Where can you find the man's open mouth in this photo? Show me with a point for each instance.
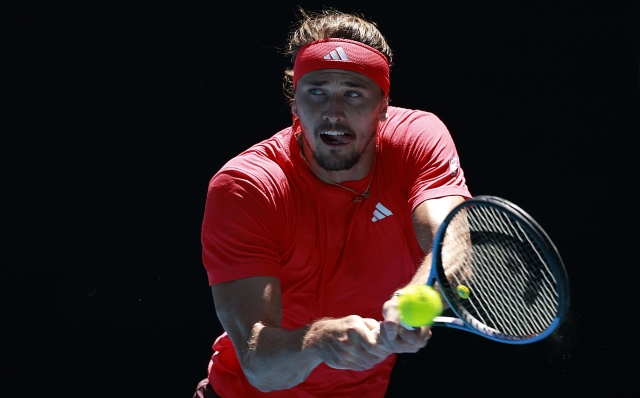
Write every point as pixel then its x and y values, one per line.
pixel 336 138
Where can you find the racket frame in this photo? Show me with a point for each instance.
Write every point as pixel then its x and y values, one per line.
pixel 466 321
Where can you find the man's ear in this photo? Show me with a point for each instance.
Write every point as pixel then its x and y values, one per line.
pixel 385 108
pixel 294 107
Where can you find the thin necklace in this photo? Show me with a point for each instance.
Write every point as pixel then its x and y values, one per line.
pixel 361 196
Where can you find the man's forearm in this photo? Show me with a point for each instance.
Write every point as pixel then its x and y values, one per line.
pixel 422 274
pixel 278 359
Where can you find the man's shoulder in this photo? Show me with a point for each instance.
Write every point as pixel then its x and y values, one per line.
pixel 400 115
pixel 267 153
pixel 264 161
pixel 404 124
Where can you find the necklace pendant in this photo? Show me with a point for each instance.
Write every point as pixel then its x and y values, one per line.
pixel 360 197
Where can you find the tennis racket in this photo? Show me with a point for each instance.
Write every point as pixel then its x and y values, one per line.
pixel 499 272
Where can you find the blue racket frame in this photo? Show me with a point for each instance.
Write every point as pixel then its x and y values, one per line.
pixel 466 321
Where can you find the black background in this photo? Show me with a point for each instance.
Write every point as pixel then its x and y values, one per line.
pixel 117 115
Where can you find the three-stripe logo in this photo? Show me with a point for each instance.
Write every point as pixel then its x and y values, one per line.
pixel 337 55
pixel 380 212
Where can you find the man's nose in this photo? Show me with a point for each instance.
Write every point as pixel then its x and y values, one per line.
pixel 335 109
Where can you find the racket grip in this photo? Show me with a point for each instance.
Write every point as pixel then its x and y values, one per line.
pixel 404 325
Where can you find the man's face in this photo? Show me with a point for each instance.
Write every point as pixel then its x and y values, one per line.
pixel 339 112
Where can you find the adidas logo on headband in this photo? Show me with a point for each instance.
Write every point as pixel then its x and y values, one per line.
pixel 338 55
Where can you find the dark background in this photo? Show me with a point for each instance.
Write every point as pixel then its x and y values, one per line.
pixel 117 115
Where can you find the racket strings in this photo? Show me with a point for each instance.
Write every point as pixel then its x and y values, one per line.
pixel 512 287
pixel 506 303
pixel 521 281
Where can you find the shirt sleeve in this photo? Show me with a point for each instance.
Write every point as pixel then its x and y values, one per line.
pixel 239 228
pixel 434 168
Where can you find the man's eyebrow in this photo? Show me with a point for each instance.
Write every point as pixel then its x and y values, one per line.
pixel 317 83
pixel 355 84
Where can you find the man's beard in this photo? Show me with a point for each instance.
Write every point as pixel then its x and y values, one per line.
pixel 333 162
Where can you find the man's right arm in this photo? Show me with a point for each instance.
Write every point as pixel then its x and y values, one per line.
pixel 273 358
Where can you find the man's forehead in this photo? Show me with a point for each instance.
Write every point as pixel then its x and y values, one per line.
pixel 340 76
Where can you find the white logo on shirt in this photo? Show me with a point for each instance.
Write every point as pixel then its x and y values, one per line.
pixel 380 212
pixel 454 166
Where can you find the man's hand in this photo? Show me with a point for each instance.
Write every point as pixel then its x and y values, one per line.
pixel 347 343
pixel 395 337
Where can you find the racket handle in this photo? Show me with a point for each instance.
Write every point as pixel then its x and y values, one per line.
pixel 404 325
pixel 401 324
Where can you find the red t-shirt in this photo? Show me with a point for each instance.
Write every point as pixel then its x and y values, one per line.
pixel 267 214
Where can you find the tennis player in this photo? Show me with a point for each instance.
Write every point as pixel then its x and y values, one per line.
pixel 307 235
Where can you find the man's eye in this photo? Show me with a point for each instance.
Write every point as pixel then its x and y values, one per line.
pixel 352 94
pixel 316 91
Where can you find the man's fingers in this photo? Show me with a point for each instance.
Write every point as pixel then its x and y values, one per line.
pixel 417 336
pixel 405 340
pixel 396 337
pixel 366 345
pixel 415 339
pixel 359 349
pixel 391 329
pixel 354 358
pixel 371 323
pixel 342 356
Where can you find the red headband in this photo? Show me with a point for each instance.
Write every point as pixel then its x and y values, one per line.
pixel 343 54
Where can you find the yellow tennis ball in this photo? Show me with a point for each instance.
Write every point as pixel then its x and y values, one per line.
pixel 463 291
pixel 419 304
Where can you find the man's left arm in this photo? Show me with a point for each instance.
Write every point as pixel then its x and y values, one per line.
pixel 427 217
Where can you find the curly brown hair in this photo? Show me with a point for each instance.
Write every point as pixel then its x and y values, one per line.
pixel 331 24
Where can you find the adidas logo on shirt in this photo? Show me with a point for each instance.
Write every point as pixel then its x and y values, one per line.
pixel 337 55
pixel 380 212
